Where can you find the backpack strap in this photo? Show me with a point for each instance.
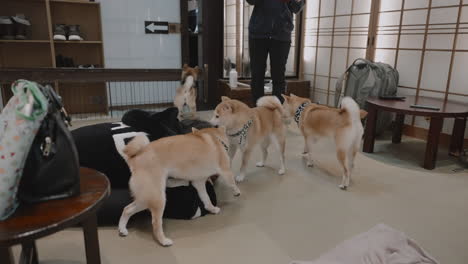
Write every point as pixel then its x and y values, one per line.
pixel 339 83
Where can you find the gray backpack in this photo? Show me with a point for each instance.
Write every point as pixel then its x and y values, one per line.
pixel 366 79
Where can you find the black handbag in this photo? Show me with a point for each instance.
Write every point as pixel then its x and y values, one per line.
pixel 52 167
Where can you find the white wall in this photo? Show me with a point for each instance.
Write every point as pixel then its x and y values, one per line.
pixel 127 46
pixel 125 43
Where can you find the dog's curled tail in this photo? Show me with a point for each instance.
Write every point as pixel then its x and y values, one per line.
pixel 271 102
pixel 135 146
pixel 352 108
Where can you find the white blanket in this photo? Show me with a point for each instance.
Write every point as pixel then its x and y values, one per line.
pixel 380 245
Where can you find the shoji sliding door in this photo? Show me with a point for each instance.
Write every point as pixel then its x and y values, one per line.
pixel 336 33
pixel 230 30
pixel 427 42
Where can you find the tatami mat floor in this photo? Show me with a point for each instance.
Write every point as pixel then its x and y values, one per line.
pixel 301 214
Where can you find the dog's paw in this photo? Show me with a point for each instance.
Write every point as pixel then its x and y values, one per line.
pixel 123 232
pixel 214 210
pixel 236 192
pixel 240 178
pixel 310 164
pixel 343 187
pixel 260 164
pixel 166 242
pixel 281 171
pixel 305 152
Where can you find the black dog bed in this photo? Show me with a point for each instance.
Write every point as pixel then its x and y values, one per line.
pixel 99 147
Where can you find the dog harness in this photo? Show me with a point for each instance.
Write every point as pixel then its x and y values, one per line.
pixel 226 147
pixel 300 109
pixel 243 132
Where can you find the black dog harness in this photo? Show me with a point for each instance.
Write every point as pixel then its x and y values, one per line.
pixel 243 132
pixel 300 109
pixel 226 147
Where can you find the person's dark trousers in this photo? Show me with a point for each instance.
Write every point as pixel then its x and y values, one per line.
pixel 259 50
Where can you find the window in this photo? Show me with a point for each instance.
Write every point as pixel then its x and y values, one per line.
pixel 336 33
pixel 427 42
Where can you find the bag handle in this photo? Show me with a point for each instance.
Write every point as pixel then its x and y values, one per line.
pixel 56 102
pixel 339 83
pixel 29 93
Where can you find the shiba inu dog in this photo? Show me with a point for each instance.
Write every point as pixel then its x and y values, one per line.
pixel 205 153
pixel 186 94
pixel 247 127
pixel 317 121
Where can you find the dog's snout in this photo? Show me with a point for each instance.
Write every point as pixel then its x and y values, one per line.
pixel 216 126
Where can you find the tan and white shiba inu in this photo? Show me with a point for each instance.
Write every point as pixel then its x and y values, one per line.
pixel 246 127
pixel 318 121
pixel 152 163
pixel 186 94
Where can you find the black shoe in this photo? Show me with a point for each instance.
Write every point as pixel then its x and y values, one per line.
pixel 7 29
pixel 60 32
pixel 22 26
pixel 59 61
pixel 74 32
pixel 68 62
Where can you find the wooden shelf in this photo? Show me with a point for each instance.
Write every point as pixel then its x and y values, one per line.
pixel 77 42
pixel 41 50
pixel 23 41
pixel 74 2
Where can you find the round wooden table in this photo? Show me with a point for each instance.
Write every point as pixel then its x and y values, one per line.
pixel 448 109
pixel 33 221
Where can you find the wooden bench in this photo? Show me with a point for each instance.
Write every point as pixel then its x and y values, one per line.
pixel 448 109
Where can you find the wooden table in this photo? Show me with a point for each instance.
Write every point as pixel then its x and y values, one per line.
pixel 31 222
pixel 448 109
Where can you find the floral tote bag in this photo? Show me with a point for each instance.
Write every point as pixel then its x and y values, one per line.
pixel 19 122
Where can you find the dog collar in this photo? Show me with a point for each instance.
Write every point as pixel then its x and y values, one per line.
pixel 243 132
pixel 300 109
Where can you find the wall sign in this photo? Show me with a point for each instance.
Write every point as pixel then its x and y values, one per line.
pixel 156 27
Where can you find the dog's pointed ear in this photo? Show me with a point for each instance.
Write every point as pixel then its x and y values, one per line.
pixel 292 95
pixel 226 107
pixel 194 130
pixel 225 98
pixel 285 97
pixel 185 66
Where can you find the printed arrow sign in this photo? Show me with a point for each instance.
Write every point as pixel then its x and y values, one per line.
pixel 156 27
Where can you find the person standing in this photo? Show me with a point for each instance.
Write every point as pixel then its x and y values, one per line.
pixel 270 30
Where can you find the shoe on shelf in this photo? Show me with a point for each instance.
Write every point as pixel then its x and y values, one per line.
pixel 22 26
pixel 59 61
pixel 68 62
pixel 60 32
pixel 7 29
pixel 86 66
pixel 74 32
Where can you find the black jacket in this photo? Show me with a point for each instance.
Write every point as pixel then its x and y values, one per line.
pixel 273 18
